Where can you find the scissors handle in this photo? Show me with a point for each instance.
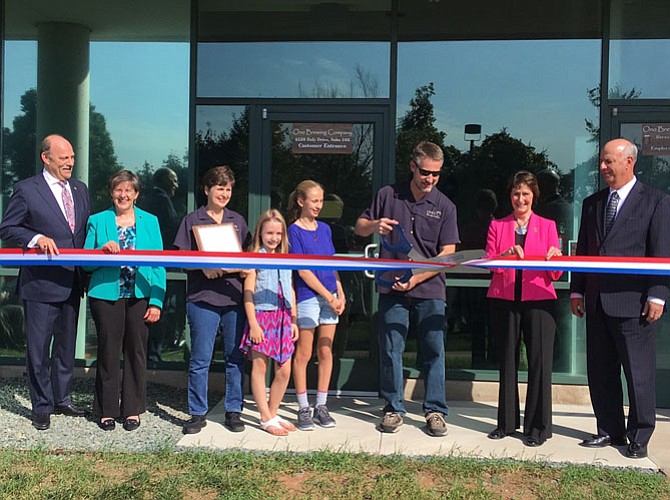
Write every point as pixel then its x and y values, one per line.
pixel 402 245
pixel 381 280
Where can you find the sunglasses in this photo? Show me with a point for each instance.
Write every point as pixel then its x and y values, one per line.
pixel 426 173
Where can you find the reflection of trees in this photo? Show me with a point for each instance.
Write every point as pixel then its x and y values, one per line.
pixel 20 145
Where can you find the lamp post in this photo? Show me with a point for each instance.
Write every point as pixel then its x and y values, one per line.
pixel 472 134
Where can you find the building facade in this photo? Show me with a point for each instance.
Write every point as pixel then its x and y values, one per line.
pixel 340 91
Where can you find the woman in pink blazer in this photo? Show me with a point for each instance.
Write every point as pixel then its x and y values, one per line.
pixel 522 303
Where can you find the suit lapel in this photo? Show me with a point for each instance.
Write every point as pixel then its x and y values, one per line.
pixel 45 192
pixel 601 201
pixel 631 201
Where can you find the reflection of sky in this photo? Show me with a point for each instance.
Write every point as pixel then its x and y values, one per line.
pixel 535 89
pixel 140 88
pixel 642 64
pixel 287 69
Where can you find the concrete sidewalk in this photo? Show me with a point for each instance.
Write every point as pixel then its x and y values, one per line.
pixel 468 423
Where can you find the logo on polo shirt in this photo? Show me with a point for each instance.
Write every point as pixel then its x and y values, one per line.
pixel 434 214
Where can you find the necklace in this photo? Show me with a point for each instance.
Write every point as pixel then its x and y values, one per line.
pixel 521 227
pixel 313 231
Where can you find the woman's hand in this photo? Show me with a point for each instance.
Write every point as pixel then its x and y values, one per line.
pixel 514 250
pixel 553 252
pixel 152 315
pixel 295 332
pixel 111 247
pixel 212 273
pixel 256 334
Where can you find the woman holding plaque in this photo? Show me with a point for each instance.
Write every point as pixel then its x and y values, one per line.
pixel 213 304
pixel 123 300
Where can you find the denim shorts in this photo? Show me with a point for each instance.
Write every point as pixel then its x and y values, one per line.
pixel 314 312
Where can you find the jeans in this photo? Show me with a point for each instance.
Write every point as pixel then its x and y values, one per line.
pixel 429 318
pixel 205 320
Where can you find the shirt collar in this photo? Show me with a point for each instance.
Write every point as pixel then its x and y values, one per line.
pixel 624 190
pixel 51 180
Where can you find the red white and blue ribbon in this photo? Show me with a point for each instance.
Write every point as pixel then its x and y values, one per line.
pixel 186 260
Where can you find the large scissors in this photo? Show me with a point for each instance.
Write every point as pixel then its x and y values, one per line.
pixel 397 242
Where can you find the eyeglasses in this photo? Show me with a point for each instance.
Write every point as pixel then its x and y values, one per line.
pixel 426 173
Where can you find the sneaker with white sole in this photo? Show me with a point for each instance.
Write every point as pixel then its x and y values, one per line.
pixel 391 422
pixel 322 417
pixel 436 425
pixel 305 422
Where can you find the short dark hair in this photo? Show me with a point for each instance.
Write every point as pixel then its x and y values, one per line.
pixel 527 178
pixel 218 176
pixel 124 176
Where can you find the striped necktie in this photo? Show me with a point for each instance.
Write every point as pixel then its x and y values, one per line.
pixel 68 204
pixel 610 211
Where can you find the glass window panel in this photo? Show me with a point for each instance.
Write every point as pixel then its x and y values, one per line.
pixel 531 99
pixel 639 46
pixel 222 138
pixel 294 69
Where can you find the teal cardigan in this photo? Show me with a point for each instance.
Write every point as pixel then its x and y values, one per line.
pixel 149 281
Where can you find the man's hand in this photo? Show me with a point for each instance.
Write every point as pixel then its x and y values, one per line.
pixel 213 273
pixel 652 311
pixel 47 245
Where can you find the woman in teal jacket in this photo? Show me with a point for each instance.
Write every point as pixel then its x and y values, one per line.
pixel 123 301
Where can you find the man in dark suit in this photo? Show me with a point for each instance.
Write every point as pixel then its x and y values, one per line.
pixel 622 311
pixel 49 211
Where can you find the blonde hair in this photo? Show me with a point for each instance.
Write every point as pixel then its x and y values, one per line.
pixel 300 192
pixel 269 216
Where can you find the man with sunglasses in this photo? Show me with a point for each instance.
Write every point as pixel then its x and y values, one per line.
pixel 428 218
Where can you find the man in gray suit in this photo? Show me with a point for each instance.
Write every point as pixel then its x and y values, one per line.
pixel 628 219
pixel 49 211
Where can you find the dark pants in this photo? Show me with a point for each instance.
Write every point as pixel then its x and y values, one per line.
pixel 610 344
pixel 121 329
pixel 535 322
pixel 51 334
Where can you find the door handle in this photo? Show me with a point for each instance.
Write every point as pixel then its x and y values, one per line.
pixel 370 253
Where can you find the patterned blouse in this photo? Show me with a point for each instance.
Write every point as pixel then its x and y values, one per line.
pixel 127 237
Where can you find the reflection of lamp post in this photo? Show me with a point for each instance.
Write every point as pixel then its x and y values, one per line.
pixel 473 133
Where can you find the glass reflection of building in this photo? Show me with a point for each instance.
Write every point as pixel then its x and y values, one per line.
pixel 193 84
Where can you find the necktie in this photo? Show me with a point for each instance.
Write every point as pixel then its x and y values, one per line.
pixel 68 204
pixel 610 211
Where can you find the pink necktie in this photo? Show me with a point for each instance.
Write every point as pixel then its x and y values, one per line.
pixel 68 204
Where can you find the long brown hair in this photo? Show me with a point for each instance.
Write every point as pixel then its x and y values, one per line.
pixel 300 192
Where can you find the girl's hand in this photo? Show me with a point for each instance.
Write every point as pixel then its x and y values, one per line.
pixel 553 252
pixel 212 273
pixel 339 303
pixel 295 332
pixel 111 247
pixel 152 315
pixel 256 334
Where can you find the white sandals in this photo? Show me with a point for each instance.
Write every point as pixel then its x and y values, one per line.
pixel 277 426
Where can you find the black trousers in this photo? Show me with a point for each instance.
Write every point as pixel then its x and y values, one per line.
pixel 121 330
pixel 613 343
pixel 533 321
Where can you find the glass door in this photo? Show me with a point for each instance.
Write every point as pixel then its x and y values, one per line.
pixel 649 130
pixel 343 151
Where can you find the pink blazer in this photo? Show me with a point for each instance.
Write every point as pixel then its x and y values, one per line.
pixel 535 285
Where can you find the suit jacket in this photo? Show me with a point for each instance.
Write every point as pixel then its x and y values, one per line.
pixel 535 285
pixel 149 281
pixel 639 230
pixel 32 210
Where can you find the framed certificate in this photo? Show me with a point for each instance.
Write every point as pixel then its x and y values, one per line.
pixel 218 238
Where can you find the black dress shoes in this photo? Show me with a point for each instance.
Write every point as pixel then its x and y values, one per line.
pixel 636 450
pixel 70 411
pixel 131 424
pixel 497 433
pixel 41 421
pixel 534 442
pixel 107 425
pixel 602 441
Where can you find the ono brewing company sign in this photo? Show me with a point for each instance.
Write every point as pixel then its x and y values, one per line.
pixel 656 139
pixel 321 138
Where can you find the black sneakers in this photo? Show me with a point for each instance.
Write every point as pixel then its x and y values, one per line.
pixel 195 425
pixel 233 421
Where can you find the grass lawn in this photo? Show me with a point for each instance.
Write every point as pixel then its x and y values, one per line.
pixel 208 475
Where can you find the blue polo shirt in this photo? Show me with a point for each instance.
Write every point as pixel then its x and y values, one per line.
pixel 429 223
pixel 220 292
